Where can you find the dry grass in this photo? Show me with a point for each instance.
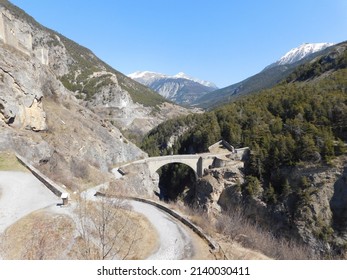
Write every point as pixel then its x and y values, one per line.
pixel 240 238
pixel 45 235
pixel 235 228
pixel 109 230
pixel 147 235
pixel 235 251
pixel 195 215
pixel 9 162
pixel 38 236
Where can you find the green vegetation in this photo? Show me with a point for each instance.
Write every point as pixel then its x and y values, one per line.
pixel 84 64
pixel 141 94
pixel 263 80
pixel 80 80
pixel 287 125
pixel 201 131
pixel 180 181
pixel 331 62
pixel 332 58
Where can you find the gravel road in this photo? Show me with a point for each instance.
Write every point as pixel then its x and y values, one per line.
pixel 21 194
pixel 175 243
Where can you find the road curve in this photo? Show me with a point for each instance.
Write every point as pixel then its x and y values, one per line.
pixel 174 241
pixel 20 194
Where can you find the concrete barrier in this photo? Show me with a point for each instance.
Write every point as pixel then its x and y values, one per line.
pixel 211 243
pixel 52 186
pixel 215 248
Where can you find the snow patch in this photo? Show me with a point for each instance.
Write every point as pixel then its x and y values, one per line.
pixel 148 77
pixel 302 51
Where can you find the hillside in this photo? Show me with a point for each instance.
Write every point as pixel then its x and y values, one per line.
pixel 91 81
pixel 269 77
pixel 63 108
pixel 295 176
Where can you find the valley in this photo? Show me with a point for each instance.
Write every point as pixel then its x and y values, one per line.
pixel 257 168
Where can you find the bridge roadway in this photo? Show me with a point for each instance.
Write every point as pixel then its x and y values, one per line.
pixel 198 162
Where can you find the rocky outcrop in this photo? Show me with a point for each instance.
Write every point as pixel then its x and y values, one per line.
pixel 314 212
pixel 43 121
pixel 215 190
pixel 21 93
pixel 338 203
pixel 129 105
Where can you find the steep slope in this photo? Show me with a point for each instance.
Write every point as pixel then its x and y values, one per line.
pixel 180 88
pixel 295 175
pixel 267 78
pixel 44 121
pixel 321 66
pixel 91 81
pixel 300 52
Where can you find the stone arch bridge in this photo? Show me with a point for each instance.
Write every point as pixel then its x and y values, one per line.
pixel 198 162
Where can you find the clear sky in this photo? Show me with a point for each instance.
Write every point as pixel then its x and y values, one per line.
pixel 223 41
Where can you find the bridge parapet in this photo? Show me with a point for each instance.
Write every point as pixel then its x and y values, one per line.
pixel 198 162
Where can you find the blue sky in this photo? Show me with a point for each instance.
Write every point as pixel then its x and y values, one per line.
pixel 223 41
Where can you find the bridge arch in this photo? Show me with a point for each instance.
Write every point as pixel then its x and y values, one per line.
pixel 154 167
pixel 175 178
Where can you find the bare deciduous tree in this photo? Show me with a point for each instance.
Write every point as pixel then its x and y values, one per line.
pixel 105 231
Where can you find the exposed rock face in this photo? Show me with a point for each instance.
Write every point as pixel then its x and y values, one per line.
pixel 138 175
pixel 338 203
pixel 315 214
pixel 21 92
pixel 216 189
pixel 95 84
pixel 41 120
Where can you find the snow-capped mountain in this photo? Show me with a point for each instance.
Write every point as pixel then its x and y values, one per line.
pixel 179 88
pixel 267 78
pixel 204 83
pixel 300 52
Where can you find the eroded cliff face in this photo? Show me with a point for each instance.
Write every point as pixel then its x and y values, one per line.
pixel 315 213
pixel 43 121
pixel 21 92
pixel 94 83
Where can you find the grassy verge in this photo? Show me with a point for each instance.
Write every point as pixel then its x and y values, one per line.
pixel 9 162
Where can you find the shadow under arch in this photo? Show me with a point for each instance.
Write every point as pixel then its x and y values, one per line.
pixel 175 179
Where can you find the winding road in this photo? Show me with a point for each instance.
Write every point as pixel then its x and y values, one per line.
pixel 21 193
pixel 175 242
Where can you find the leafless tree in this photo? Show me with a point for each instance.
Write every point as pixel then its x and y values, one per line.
pixel 105 231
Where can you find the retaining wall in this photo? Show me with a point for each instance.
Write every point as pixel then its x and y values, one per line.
pixel 52 186
pixel 211 243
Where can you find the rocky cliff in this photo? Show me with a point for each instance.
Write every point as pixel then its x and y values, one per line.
pixel 46 122
pixel 91 81
pixel 314 213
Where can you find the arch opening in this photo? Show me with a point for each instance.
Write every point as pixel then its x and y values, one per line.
pixel 176 180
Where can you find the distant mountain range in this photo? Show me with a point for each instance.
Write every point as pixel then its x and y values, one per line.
pixel 299 53
pixel 180 88
pixel 270 76
pixel 185 90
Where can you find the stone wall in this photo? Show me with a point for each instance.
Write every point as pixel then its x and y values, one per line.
pixel 52 186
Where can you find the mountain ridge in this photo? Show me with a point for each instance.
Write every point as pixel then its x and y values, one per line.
pixel 180 88
pixel 300 52
pixel 268 77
